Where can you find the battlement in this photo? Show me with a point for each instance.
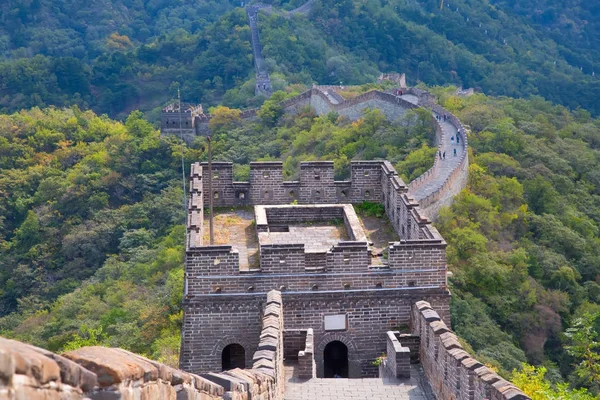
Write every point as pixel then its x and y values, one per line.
pixel 452 372
pixel 306 240
pixel 184 120
pixel 372 181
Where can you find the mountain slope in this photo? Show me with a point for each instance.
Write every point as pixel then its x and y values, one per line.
pixel 119 67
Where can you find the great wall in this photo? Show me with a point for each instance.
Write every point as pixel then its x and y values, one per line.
pixel 310 307
pixel 433 190
pixel 98 373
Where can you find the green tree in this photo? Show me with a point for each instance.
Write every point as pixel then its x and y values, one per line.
pixel 584 345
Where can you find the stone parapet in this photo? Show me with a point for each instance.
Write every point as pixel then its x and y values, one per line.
pixel 306 358
pixel 451 371
pixel 195 222
pixel 311 191
pixel 28 372
pixel 294 341
pixel 397 363
pixel 100 373
pixel 128 376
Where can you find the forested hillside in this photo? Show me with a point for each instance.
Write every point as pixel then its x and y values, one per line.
pixel 92 235
pixel 91 208
pixel 117 56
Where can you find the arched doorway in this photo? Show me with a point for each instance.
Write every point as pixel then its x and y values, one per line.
pixel 233 356
pixel 335 360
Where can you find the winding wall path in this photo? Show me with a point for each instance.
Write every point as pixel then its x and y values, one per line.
pixel 437 186
pixel 263 80
pixel 446 178
pixel 449 175
pixel 433 189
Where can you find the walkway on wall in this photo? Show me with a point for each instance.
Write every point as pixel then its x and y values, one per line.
pixel 263 80
pixel 411 98
pixel 413 388
pixel 448 165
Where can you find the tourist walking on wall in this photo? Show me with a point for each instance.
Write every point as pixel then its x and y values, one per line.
pixel 455 152
pixel 444 154
pixel 452 139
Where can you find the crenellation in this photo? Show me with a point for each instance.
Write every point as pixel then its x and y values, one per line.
pixel 223 192
pixel 317 183
pixel 452 372
pixel 321 275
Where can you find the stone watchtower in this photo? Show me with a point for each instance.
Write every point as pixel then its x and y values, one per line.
pixel 176 121
pixel 337 289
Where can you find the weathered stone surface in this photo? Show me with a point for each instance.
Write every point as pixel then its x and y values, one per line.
pixel 430 315
pixel 421 305
pixel 458 354
pixel 452 372
pixel 268 343
pixel 266 354
pixel 471 363
pixel 29 372
pixel 439 327
pixel 450 341
pixel 113 366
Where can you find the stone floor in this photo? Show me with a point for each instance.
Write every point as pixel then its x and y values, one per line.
pixel 410 98
pixel 236 227
pixel 415 388
pixel 316 237
pixel 447 165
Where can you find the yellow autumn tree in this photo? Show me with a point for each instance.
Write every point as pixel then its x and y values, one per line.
pixel 224 118
pixel 118 42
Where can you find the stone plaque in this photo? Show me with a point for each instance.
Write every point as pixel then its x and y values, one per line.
pixel 336 322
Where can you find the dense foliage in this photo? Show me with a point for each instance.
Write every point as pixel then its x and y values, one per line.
pixel 524 242
pixel 133 55
pixel 92 235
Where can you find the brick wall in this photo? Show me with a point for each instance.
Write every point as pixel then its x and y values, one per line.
pixel 266 183
pixel 306 360
pixel 416 254
pixel 317 183
pixel 334 278
pixel 366 181
pixel 195 222
pixel 210 324
pixel 452 372
pixel 210 260
pixel 413 342
pixel 369 315
pixel 348 256
pixel 375 181
pixel 299 214
pixel 291 214
pixel 294 341
pixel 282 259
pixel 222 193
pixel 397 363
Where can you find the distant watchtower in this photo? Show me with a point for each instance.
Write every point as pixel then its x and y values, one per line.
pixel 188 116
